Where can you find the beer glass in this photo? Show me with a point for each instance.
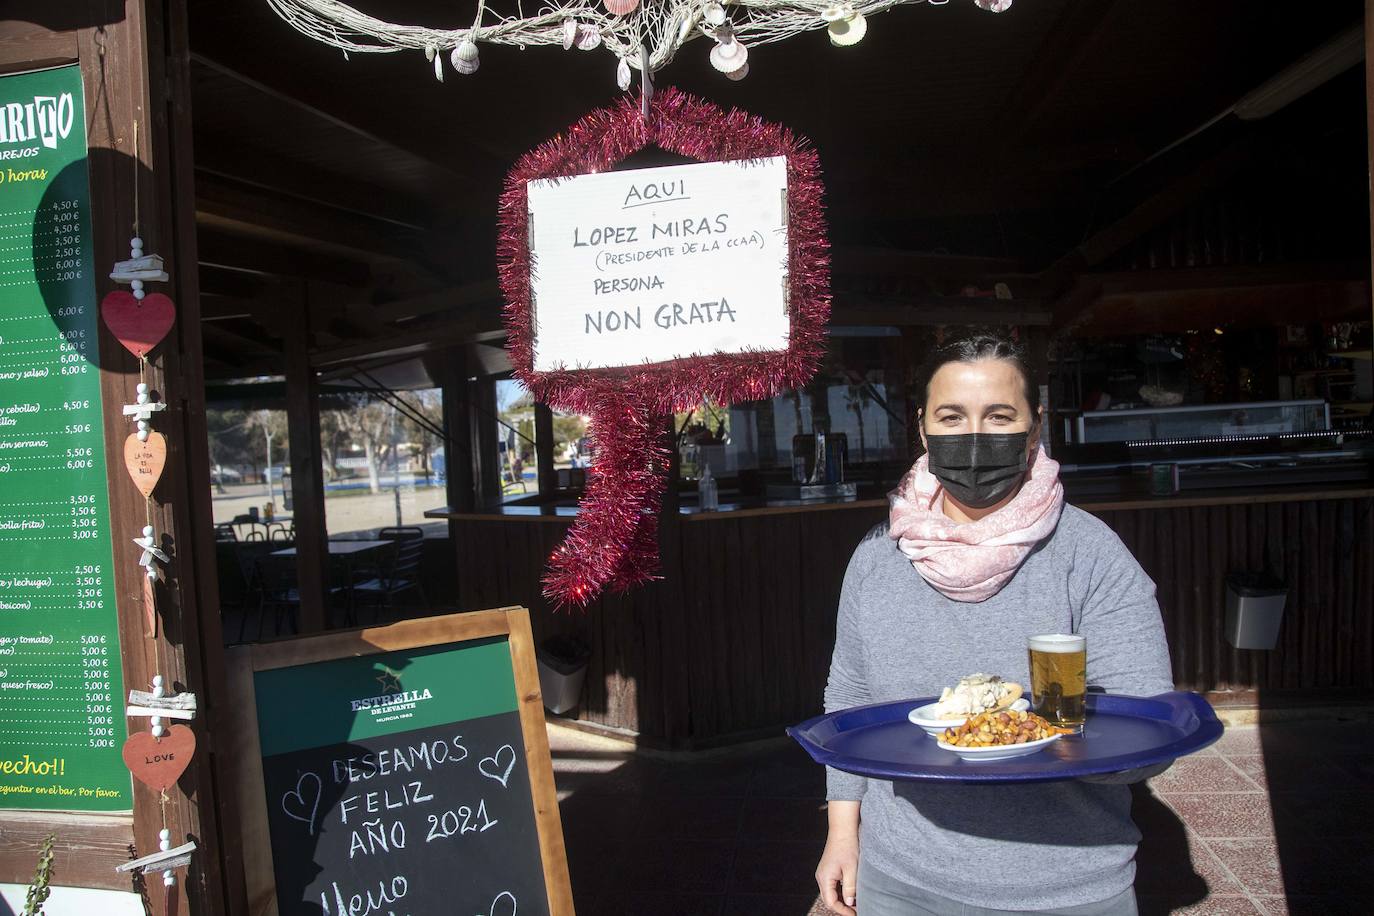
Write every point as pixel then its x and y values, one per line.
pixel 1059 679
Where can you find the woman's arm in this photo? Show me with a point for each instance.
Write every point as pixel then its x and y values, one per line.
pixel 837 875
pixel 1127 651
pixel 847 684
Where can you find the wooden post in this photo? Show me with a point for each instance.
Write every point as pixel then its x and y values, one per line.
pixel 547 480
pixel 307 469
pixel 458 439
pixel 485 457
pixel 1369 103
pixel 132 56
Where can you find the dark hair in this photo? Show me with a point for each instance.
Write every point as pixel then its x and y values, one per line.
pixel 970 348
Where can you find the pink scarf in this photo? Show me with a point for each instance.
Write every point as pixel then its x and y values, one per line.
pixel 971 562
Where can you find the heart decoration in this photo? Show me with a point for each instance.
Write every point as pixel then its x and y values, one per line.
pixel 495 772
pixel 159 762
pixel 145 460
pixel 140 326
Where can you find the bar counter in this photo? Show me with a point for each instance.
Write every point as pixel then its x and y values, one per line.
pixel 734 642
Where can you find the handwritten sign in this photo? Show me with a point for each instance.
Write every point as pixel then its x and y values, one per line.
pixel 406 780
pixel 651 265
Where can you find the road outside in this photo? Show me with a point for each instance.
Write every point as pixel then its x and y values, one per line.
pixel 346 511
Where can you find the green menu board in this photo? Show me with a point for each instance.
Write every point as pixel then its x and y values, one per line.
pixel 61 715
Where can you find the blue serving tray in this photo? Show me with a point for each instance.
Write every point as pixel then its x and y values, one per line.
pixel 1121 733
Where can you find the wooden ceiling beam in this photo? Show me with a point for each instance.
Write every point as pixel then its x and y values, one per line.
pixel 225 157
pixel 216 281
pixel 1150 300
pixel 243 329
pixel 897 311
pixel 868 262
pixel 1064 46
pixel 474 327
pixel 327 104
pixel 443 300
pixel 216 248
pixel 1155 209
pixel 248 211
pixel 255 369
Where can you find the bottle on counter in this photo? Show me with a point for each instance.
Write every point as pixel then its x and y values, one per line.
pixel 708 497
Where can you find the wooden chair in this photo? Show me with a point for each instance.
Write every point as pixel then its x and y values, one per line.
pixel 225 533
pixel 276 585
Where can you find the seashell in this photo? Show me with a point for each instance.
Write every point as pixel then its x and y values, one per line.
pixel 729 56
pixel 849 31
pixel 622 74
pixel 993 6
pixel 836 13
pixel 466 50
pixel 739 74
pixel 588 37
pixel 621 7
pixel 430 51
pixel 684 31
pixel 936 2
pixel 464 57
pixel 714 14
pixel 569 33
pixel 438 68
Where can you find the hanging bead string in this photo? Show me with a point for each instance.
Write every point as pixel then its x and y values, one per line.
pixel 144 430
pixel 136 165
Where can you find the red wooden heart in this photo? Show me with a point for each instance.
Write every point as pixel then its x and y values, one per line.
pixel 159 762
pixel 140 326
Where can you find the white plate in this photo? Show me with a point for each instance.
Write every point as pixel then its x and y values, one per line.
pixel 998 751
pixel 924 716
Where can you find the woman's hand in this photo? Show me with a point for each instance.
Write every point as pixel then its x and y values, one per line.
pixel 837 875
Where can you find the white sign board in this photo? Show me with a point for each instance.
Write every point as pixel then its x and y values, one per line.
pixel 650 265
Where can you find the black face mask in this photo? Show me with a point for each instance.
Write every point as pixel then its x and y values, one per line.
pixel 978 469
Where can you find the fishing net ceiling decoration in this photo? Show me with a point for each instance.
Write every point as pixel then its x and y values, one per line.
pixel 632 30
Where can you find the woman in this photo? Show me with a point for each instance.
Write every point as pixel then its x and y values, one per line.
pixel 979 553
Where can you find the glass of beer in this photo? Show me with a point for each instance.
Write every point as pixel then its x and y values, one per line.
pixel 1059 679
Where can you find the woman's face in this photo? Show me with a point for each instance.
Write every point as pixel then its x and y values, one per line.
pixel 987 396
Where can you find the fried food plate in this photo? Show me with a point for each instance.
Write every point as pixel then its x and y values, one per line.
pixel 998 751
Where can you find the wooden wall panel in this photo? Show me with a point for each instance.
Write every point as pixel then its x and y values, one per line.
pixel 1320 548
pixel 736 640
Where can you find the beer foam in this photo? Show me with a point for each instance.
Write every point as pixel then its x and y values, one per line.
pixel 1058 642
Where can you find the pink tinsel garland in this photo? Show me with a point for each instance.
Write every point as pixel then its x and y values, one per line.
pixel 614 540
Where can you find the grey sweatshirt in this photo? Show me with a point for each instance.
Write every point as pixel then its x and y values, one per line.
pixel 1026 847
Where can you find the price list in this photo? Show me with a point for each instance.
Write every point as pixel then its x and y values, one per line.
pixel 61 715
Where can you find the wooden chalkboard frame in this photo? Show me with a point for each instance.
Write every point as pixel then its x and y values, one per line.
pixel 246 750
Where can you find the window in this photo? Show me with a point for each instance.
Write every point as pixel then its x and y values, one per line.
pixel 517 457
pixel 383 458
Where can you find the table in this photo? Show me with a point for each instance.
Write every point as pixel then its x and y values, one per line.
pixel 340 548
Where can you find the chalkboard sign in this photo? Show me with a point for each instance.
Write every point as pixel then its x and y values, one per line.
pixel 401 769
pixel 61 722
pixel 649 265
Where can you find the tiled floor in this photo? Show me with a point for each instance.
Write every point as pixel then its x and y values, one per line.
pixel 1271 820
